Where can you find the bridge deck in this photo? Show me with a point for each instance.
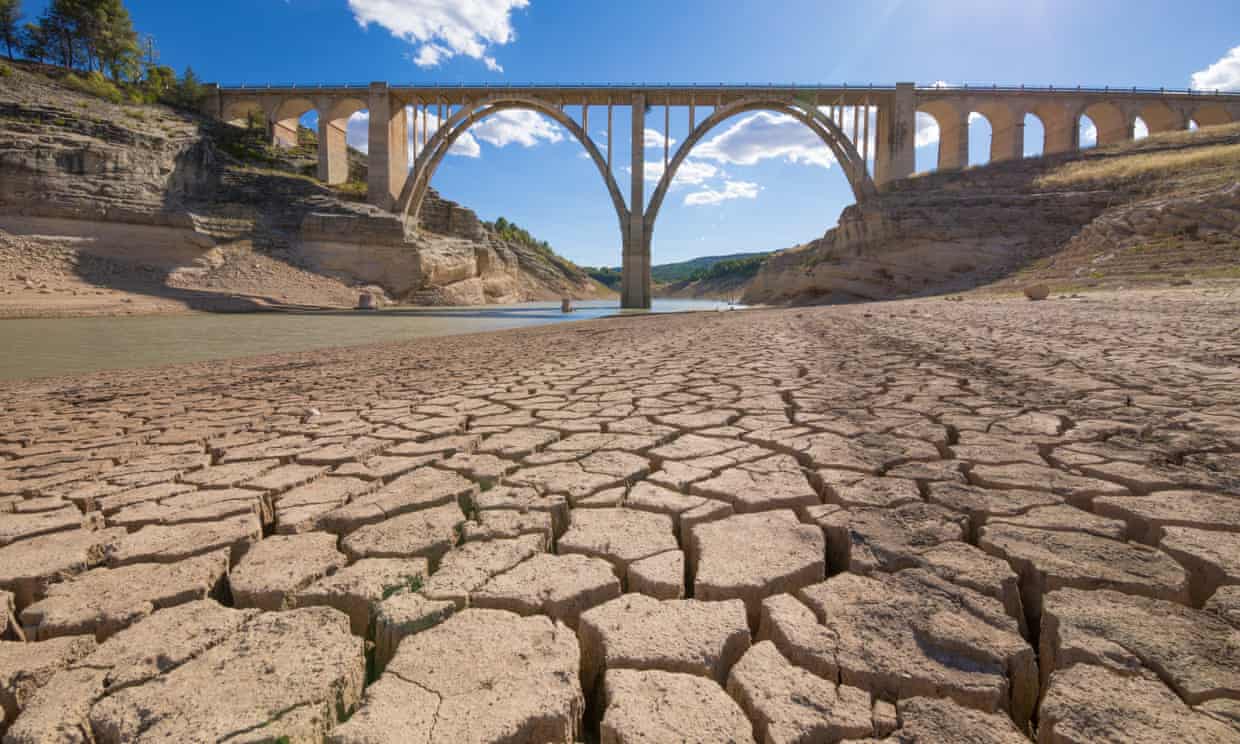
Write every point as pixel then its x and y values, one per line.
pixel 699 94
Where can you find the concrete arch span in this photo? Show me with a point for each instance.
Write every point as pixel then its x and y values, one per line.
pixel 845 151
pixel 1114 125
pixel 417 186
pixel 285 117
pixel 1212 115
pixel 237 111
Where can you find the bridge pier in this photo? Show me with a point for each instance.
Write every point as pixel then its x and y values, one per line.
pixel 896 140
pixel 635 279
pixel 388 147
pixel 333 150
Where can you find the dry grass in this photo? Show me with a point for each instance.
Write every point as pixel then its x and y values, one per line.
pixel 1138 165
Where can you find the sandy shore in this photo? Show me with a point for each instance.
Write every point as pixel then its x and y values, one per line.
pixel 911 519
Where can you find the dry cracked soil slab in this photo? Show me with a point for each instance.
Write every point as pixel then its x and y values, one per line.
pixel 481 675
pixel 890 505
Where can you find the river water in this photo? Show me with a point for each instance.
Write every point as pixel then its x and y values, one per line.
pixel 63 346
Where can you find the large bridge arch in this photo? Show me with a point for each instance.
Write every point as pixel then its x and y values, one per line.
pixel 417 186
pixel 846 154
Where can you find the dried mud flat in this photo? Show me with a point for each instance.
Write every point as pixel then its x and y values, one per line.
pixel 981 521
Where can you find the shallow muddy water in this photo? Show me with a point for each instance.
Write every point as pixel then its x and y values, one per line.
pixel 62 346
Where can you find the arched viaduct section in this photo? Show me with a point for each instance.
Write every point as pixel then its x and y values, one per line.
pixel 870 131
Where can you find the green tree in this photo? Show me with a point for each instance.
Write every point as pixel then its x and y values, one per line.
pixel 10 17
pixel 158 81
pixel 35 43
pixel 114 40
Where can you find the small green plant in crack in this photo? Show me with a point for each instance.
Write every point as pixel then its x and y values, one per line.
pixel 412 583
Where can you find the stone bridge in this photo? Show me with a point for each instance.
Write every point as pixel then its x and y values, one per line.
pixel 870 130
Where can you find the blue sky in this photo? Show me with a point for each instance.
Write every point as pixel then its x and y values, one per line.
pixel 764 186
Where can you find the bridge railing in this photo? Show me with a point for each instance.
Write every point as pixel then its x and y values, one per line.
pixel 715 87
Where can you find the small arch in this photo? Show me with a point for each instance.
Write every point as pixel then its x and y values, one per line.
pixel 1059 127
pixel 1087 133
pixel 1007 131
pixel 953 134
pixel 928 143
pixel 981 139
pixel 1034 144
pixel 1158 118
pixel 286 119
pixel 333 129
pixel 1111 124
pixel 1140 130
pixel 1211 115
pixel 240 112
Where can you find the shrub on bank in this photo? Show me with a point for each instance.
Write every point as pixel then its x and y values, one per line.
pixel 94 84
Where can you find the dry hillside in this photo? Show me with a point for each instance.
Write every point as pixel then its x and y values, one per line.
pixel 1165 209
pixel 109 208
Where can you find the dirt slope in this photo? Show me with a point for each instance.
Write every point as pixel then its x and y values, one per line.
pixel 1163 209
pixel 130 208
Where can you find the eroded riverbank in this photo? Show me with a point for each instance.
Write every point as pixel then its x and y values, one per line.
pixel 1003 518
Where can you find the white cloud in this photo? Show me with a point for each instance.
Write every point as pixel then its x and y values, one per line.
pixel 442 29
pixel 763 136
pixel 1222 75
pixel 654 138
pixel 690 173
pixel 731 190
pixel 520 127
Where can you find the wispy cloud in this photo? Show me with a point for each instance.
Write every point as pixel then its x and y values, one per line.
pixel 442 29
pixel 731 190
pixel 1222 75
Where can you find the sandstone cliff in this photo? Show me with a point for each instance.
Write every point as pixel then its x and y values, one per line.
pixel 1163 209
pixel 167 202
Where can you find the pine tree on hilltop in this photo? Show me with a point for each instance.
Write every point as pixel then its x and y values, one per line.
pixel 10 16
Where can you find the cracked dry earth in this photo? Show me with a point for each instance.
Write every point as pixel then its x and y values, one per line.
pixel 988 521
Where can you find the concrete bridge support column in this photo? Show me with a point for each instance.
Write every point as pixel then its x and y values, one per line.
pixel 333 150
pixel 1061 131
pixel 954 142
pixel 635 265
pixel 1008 142
pixel 896 157
pixel 389 153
